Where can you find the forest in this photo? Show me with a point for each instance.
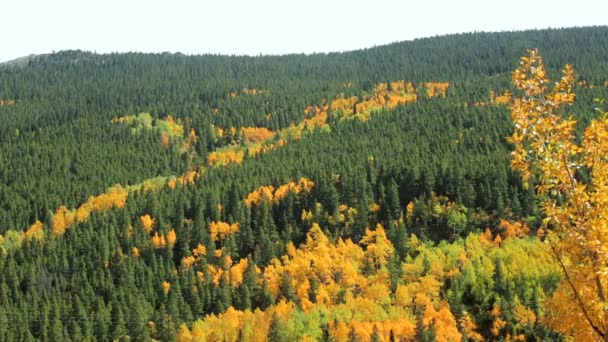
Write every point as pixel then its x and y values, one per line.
pixel 442 189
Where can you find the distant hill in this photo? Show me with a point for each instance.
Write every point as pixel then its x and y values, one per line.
pixel 22 61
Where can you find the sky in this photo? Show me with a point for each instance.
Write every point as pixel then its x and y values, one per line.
pixel 257 27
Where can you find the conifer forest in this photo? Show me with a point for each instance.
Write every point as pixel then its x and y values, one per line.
pixel 452 188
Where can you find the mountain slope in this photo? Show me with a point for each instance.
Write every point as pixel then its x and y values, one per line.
pixel 360 193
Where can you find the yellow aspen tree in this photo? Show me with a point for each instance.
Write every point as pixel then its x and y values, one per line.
pixel 574 208
pixel 171 184
pixel 166 287
pixel 35 231
pixel 62 220
pixel 171 237
pixel 147 222
pixel 184 334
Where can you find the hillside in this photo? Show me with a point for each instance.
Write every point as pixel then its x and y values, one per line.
pixel 365 195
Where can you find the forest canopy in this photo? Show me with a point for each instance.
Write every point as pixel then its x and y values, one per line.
pixel 370 195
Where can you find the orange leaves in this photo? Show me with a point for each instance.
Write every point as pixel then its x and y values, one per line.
pixel 381 98
pixel 236 272
pixel 62 219
pixel 524 315
pixel 188 177
pixel 171 237
pixel 166 287
pixel 188 261
pixel 379 247
pixel 192 137
pixel 174 128
pixel 159 241
pixel 263 193
pixel 403 329
pixel 442 321
pixel 257 134
pixel 35 231
pixel 468 328
pixel 516 229
pixel 343 105
pixel 170 129
pixel 184 334
pixel 115 197
pixel 226 156
pixel 504 99
pixel 222 230
pixel 434 89
pixel 497 322
pixel 165 140
pixel 232 273
pixel 574 207
pixel 543 140
pixel 531 75
pixel 272 195
pixel 147 222
pixel 199 250
pixel 335 280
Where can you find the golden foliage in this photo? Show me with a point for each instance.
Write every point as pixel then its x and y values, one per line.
pixel 505 99
pixel 516 229
pixel 114 197
pixel 222 230
pixel 159 241
pixel 188 261
pixel 523 315
pixel 166 287
pixel 574 211
pixel 497 322
pixel 171 184
pixel 434 89
pixel 257 134
pixel 199 250
pixel 147 222
pixel 172 127
pixel 169 127
pixel 35 231
pixel 184 334
pixel 188 177
pixel 62 219
pixel 381 98
pixel 443 322
pixel 226 156
pixel 272 195
pixel 468 328
pixel 171 237
pixel 352 287
pixel 379 247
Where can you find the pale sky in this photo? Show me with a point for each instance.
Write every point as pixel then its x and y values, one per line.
pixel 266 26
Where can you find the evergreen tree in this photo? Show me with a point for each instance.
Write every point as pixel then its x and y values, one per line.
pixel 276 330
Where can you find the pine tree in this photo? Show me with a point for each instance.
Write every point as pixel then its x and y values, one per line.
pixel 287 288
pixel 375 334
pixel 276 331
